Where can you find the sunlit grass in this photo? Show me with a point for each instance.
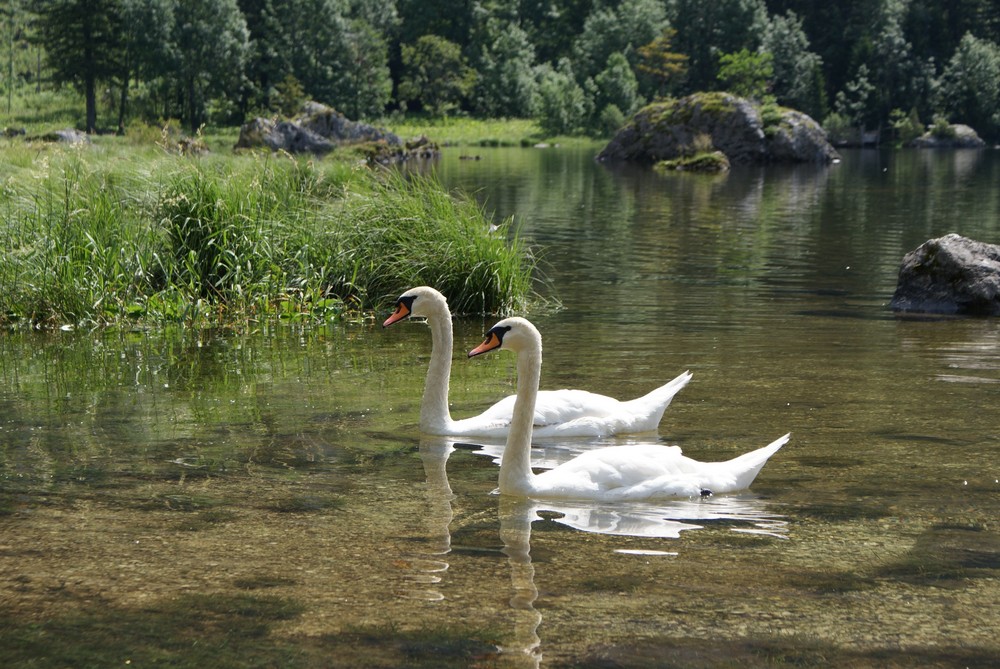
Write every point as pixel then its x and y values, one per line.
pixel 478 132
pixel 112 231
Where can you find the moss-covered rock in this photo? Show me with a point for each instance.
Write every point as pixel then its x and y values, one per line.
pixel 955 136
pixel 745 131
pixel 710 161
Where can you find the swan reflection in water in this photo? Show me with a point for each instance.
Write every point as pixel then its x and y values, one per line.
pixel 644 520
pixel 525 646
pixel 664 519
pixel 742 512
pixel 425 568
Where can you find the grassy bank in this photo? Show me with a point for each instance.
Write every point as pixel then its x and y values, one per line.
pixel 479 132
pixel 116 231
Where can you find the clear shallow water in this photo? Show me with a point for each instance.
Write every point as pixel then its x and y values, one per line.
pixel 266 494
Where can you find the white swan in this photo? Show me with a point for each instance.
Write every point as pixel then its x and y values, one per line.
pixel 557 413
pixel 605 474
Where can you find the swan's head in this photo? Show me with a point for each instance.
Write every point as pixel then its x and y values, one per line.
pixel 511 334
pixel 422 301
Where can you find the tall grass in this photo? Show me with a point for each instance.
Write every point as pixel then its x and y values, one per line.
pixel 106 233
pixel 409 231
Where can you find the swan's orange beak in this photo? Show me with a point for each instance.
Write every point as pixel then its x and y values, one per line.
pixel 492 342
pixel 402 311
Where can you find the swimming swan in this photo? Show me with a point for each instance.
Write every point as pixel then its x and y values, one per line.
pixel 605 474
pixel 558 413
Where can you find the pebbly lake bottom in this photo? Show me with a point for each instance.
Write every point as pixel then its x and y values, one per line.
pixel 255 570
pixel 265 499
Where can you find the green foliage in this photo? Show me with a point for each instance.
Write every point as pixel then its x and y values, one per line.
pixel 706 29
pixel 610 120
pixel 771 116
pixel 907 127
pixel 852 102
pixel 289 95
pixel 83 39
pixel 563 106
pixel 506 85
pixel 970 85
pixel 219 61
pixel 942 129
pixel 898 76
pixel 140 235
pixel 663 66
pixel 617 86
pixel 436 75
pixel 797 70
pixel 747 74
pixel 622 29
pixel 614 92
pixel 366 83
pixel 839 129
pixel 706 162
pixel 467 131
pixel 212 45
pixel 409 231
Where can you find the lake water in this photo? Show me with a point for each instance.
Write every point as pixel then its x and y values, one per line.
pixel 263 497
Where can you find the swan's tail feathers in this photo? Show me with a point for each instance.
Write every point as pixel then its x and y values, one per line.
pixel 747 466
pixel 659 399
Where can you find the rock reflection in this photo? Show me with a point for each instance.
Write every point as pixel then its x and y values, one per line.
pixel 426 569
pixel 968 350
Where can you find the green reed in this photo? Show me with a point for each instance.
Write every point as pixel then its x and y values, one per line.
pixel 107 233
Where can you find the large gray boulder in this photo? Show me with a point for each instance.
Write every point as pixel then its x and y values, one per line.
pixel 281 136
pixel 955 136
pixel 950 275
pixel 719 121
pixel 316 129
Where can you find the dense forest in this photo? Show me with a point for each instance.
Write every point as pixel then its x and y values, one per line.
pixel 577 66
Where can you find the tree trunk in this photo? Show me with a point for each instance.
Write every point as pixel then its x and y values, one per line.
pixel 91 93
pixel 192 106
pixel 89 80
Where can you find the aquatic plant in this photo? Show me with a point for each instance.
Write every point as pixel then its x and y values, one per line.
pixel 109 232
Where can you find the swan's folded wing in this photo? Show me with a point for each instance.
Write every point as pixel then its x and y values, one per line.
pixel 624 473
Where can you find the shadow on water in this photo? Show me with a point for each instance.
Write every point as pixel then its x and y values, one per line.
pixel 239 630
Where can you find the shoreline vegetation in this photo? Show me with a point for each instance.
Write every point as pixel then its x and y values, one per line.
pixel 127 231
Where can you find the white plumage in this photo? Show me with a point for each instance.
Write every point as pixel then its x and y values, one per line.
pixel 615 473
pixel 557 413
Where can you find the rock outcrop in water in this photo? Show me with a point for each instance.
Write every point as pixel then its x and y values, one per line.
pixel 746 132
pixel 956 136
pixel 950 275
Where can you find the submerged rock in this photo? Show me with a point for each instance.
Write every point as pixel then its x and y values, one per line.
pixel 950 275
pixel 745 131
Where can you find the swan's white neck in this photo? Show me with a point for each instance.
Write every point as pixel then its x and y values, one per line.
pixel 516 477
pixel 434 414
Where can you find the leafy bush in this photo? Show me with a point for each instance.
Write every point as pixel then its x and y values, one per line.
pixel 906 126
pixel 563 105
pixel 942 129
pixel 838 129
